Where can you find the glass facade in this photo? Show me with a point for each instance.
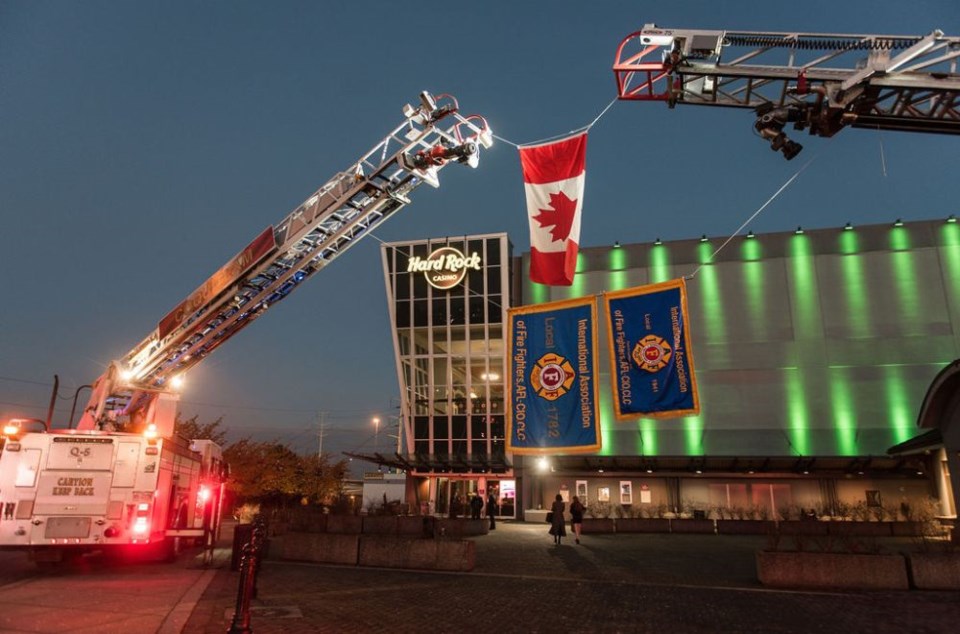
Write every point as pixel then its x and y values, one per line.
pixel 448 299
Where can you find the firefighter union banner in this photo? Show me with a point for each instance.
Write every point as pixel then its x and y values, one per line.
pixel 651 365
pixel 552 387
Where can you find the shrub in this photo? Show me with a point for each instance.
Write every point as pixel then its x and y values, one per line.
pixel 599 509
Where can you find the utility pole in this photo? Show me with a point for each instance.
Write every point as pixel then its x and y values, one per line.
pixel 320 417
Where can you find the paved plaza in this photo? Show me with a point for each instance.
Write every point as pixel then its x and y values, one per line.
pixel 610 583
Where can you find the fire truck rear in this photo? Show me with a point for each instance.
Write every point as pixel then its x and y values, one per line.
pixel 69 491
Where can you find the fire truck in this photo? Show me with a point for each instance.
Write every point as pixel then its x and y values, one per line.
pixel 122 478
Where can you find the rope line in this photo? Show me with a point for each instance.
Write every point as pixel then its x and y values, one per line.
pixel 755 214
pixel 560 136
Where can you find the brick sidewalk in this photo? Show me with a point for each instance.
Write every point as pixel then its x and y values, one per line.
pixel 610 583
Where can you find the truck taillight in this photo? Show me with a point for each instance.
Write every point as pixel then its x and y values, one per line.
pixel 204 494
pixel 141 520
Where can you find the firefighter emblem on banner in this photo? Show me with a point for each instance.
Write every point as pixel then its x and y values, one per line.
pixel 650 357
pixel 552 385
pixel 552 376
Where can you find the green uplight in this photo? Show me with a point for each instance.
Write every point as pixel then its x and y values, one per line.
pixel 907 285
pixel 648 428
pixel 753 286
pixel 581 262
pixel 950 252
pixel 751 250
pixel 899 238
pixel 617 259
pixel 798 417
pixel 854 285
pixel 950 235
pixel 693 435
pixel 844 414
pixel 714 322
pixel 807 308
pixel 849 241
pixel 607 424
pixel 539 293
pixel 579 286
pixel 617 280
pixel 659 264
pixel 899 405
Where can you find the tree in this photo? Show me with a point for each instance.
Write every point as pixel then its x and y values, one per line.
pixel 193 430
pixel 323 479
pixel 271 472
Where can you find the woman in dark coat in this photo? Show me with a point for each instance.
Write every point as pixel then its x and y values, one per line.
pixel 557 528
pixel 576 517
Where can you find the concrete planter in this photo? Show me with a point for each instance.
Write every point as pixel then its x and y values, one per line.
pixel 643 525
pixel 802 527
pixel 832 570
pixel 906 529
pixel 692 526
pixel 421 554
pixel 323 548
pixel 344 524
pixel 860 529
pixel 935 571
pixel 593 525
pixel 380 525
pixel 415 526
pixel 745 527
pixel 461 527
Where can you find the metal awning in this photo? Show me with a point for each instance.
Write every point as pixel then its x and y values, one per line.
pixel 438 463
pixel 932 439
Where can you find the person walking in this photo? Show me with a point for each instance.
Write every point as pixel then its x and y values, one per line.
pixel 492 509
pixel 576 517
pixel 557 528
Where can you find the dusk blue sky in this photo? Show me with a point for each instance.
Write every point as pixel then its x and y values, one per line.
pixel 142 144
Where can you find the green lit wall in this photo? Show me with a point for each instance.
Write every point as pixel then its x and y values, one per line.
pixel 815 343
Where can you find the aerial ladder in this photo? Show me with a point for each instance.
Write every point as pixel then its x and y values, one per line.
pixel 140 387
pixel 123 476
pixel 823 82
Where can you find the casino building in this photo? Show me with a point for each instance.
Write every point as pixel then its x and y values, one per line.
pixel 814 352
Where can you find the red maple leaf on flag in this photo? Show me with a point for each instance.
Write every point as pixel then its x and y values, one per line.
pixel 559 216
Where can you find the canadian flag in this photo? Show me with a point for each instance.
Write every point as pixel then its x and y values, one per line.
pixel 553 176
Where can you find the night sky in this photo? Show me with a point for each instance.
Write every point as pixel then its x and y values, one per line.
pixel 144 144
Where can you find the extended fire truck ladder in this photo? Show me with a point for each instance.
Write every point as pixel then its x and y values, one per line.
pixel 137 389
pixel 819 81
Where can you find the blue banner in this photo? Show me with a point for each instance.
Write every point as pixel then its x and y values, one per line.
pixel 651 364
pixel 552 387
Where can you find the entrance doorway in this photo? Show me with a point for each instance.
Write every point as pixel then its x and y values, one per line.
pixel 506 492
